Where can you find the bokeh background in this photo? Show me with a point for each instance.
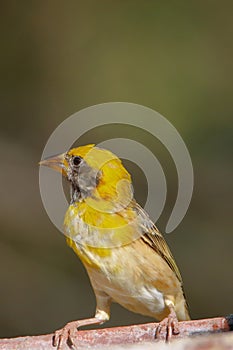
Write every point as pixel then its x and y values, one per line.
pixel 60 57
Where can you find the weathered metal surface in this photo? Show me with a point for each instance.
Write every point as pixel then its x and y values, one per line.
pixel 104 338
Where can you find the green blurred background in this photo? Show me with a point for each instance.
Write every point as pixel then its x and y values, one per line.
pixel 58 57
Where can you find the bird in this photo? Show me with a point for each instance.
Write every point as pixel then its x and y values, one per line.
pixel 125 255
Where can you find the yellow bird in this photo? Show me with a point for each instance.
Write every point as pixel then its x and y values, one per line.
pixel 125 255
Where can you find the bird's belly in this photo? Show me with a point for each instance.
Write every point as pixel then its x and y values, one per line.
pixel 143 299
pixel 147 301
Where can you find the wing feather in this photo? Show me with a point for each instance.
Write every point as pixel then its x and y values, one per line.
pixel 152 236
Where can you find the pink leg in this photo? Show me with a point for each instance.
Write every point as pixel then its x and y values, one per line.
pixel 170 324
pixel 69 331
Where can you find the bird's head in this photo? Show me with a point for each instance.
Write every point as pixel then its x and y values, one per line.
pixel 96 175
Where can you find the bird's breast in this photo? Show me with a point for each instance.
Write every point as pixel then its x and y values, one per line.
pixel 99 229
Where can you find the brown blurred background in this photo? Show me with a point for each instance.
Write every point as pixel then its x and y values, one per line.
pixel 60 57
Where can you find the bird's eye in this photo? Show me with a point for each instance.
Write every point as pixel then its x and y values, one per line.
pixel 77 160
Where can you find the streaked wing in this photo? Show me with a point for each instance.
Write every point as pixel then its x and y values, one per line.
pixel 154 238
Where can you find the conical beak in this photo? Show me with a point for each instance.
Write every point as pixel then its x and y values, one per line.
pixel 56 162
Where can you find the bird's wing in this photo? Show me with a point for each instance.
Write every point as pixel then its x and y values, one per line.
pixel 155 240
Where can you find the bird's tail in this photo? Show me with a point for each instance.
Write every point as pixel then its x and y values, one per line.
pixel 182 311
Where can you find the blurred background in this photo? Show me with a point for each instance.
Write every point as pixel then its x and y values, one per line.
pixel 60 57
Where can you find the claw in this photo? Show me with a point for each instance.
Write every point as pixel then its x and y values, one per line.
pixel 171 326
pixel 68 333
pixel 65 335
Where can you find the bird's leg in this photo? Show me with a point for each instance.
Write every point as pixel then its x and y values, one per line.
pixel 170 323
pixel 69 331
pixel 67 334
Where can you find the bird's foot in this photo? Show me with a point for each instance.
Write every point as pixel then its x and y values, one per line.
pixel 169 326
pixel 67 334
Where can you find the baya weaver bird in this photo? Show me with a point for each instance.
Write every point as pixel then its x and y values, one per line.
pixel 125 255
